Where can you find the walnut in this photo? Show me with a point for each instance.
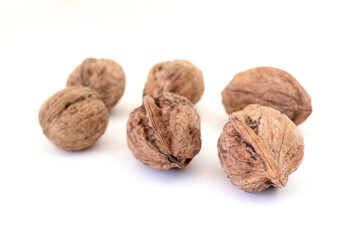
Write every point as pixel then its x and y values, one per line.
pixel 259 147
pixel 103 75
pixel 73 118
pixel 164 132
pixel 270 87
pixel 178 76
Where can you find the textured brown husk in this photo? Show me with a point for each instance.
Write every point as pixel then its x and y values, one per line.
pixel 164 132
pixel 105 76
pixel 73 118
pixel 271 87
pixel 178 76
pixel 260 147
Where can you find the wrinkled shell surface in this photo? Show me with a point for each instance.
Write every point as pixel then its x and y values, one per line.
pixel 73 118
pixel 164 132
pixel 270 87
pixel 105 76
pixel 178 76
pixel 259 147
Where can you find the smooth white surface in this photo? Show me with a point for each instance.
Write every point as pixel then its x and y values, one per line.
pixel 104 193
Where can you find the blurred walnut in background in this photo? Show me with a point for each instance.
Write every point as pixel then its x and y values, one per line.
pixel 270 87
pixel 105 76
pixel 178 76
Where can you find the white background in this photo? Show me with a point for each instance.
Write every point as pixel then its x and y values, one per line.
pixel 104 192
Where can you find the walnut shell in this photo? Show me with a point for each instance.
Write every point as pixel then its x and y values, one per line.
pixel 260 147
pixel 103 75
pixel 73 118
pixel 178 76
pixel 164 132
pixel 270 87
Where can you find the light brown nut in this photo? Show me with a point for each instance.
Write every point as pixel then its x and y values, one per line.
pixel 178 76
pixel 105 76
pixel 164 132
pixel 270 87
pixel 73 118
pixel 260 147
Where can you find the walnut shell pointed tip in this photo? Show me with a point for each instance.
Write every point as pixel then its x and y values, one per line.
pixel 164 132
pixel 259 148
pixel 178 76
pixel 270 87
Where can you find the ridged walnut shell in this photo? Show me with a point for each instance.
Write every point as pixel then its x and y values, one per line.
pixel 260 147
pixel 270 87
pixel 178 76
pixel 73 118
pixel 105 76
pixel 164 133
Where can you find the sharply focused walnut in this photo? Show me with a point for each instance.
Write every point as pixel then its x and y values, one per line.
pixel 259 147
pixel 164 132
pixel 103 75
pixel 271 87
pixel 178 76
pixel 73 118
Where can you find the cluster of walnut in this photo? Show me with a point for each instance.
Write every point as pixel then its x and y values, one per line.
pixel 258 148
pixel 77 116
pixel 163 133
